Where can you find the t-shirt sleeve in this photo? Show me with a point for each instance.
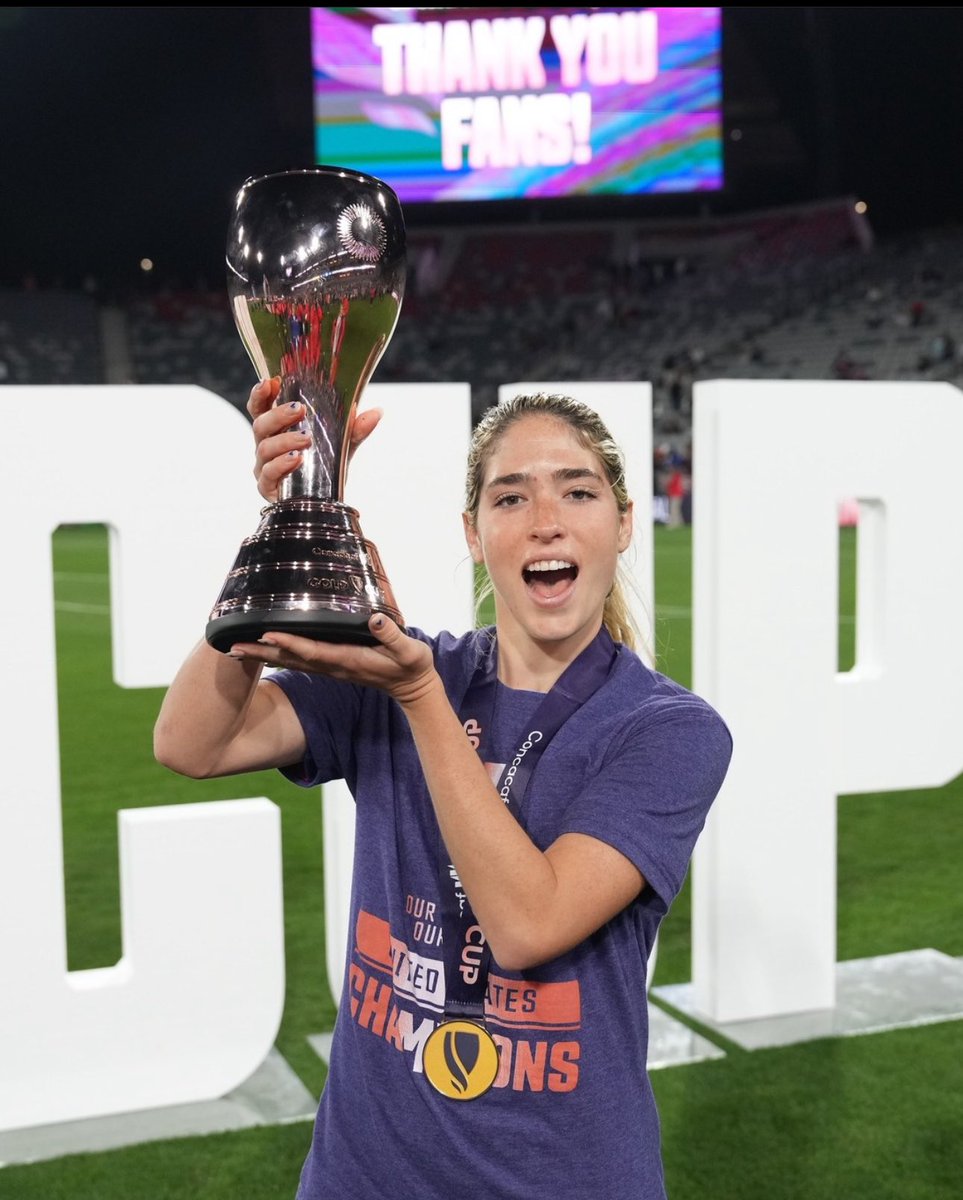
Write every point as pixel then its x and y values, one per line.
pixel 329 712
pixel 336 718
pixel 653 792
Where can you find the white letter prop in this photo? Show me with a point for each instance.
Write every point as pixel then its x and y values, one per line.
pixel 193 1005
pixel 773 460
pixel 408 484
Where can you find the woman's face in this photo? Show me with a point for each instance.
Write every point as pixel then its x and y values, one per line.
pixel 550 533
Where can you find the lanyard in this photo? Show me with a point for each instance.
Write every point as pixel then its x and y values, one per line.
pixel 467 956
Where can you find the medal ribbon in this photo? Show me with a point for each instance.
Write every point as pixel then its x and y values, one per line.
pixel 467 963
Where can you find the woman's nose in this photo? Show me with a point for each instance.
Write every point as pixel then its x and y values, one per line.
pixel 546 520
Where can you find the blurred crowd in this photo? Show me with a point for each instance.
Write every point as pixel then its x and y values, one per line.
pixel 801 293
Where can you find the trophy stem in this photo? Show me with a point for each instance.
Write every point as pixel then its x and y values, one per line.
pixel 319 475
pixel 307 569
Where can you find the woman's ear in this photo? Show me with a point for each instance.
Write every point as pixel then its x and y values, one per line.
pixel 626 524
pixel 472 538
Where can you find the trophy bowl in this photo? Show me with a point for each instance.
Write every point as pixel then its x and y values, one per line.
pixel 316 262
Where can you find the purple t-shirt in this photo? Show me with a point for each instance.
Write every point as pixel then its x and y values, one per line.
pixel 571 1115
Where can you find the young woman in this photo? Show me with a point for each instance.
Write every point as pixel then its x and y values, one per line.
pixel 528 797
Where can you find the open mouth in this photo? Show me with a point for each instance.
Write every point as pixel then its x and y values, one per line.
pixel 549 577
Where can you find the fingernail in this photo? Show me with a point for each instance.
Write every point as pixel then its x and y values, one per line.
pixel 232 653
pixel 295 404
pixel 294 453
pixel 378 621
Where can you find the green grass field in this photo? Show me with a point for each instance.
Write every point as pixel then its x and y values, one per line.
pixel 869 1118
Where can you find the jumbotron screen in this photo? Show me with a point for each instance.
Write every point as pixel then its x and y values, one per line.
pixel 448 104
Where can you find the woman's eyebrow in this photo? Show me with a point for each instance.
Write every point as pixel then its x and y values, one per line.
pixel 562 474
pixel 509 480
pixel 577 473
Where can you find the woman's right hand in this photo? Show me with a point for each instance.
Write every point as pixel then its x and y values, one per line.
pixel 280 447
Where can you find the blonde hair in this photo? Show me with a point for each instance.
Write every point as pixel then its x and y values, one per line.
pixel 593 434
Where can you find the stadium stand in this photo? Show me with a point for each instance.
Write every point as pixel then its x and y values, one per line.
pixel 50 337
pixel 804 292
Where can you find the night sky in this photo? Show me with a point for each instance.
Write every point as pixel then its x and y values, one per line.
pixel 126 132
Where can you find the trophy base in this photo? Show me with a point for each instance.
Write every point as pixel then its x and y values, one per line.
pixel 308 571
pixel 327 626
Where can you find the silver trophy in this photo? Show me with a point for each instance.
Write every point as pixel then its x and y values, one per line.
pixel 316 275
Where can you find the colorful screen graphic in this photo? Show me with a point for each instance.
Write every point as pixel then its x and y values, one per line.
pixel 506 103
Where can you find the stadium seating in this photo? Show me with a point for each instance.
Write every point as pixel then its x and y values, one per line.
pixel 794 293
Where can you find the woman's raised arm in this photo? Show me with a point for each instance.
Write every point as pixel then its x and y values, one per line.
pixel 219 717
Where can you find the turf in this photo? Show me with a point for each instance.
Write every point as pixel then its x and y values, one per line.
pixel 878 1116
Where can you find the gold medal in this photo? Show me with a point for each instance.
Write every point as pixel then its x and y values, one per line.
pixel 461 1060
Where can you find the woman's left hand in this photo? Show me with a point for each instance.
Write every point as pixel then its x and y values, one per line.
pixel 398 664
